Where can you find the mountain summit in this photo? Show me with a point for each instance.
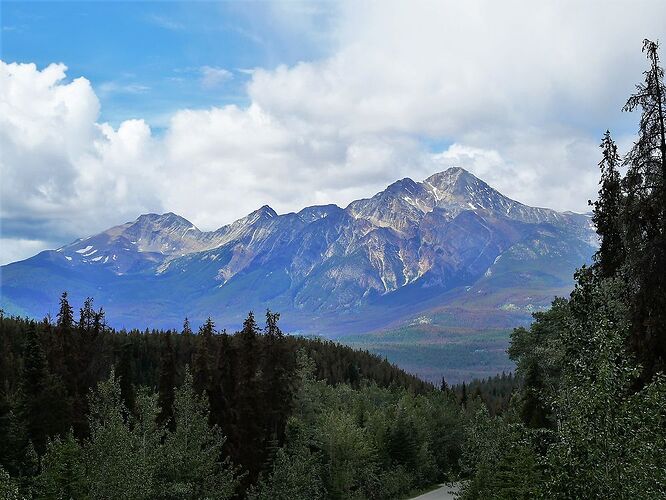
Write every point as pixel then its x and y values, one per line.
pixel 381 260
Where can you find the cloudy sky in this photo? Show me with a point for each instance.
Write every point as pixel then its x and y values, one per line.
pixel 110 110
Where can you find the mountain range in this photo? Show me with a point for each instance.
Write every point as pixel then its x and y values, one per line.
pixel 448 247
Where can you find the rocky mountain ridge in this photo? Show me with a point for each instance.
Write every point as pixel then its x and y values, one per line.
pixel 414 243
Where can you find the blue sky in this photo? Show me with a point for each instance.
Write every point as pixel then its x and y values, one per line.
pixel 212 109
pixel 147 59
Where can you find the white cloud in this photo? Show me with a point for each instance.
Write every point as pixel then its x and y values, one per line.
pixel 62 172
pixel 521 91
pixel 214 77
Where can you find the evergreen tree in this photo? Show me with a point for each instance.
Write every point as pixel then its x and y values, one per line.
pixel 277 372
pixel 14 454
pixel 99 321
pixel 187 329
pixel 194 467
pixel 10 489
pixel 121 461
pixel 223 394
pixel 207 330
pixel 402 442
pixel 125 375
pixel 87 316
pixel 33 387
pixel 41 398
pixel 65 314
pixel 63 473
pixel 296 474
pixel 167 383
pixel 250 404
pixel 645 219
pixel 607 216
pixel 203 358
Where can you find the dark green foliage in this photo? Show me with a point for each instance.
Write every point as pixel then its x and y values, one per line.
pixel 277 370
pixel 167 383
pixel 199 447
pixel 249 402
pixel 539 356
pixel 134 419
pixel 134 457
pixel 40 390
pixel 66 314
pixel 607 215
pixel 495 392
pixel 369 442
pixel 589 420
pixel 645 219
pixel 202 358
pixel 63 472
pixel 502 458
pixel 187 329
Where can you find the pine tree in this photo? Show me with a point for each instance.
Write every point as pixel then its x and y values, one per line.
pixel 42 397
pixel 250 399
pixel 167 383
pixel 125 376
pixel 65 314
pixel 645 219
pixel 187 329
pixel 208 328
pixel 202 358
pixel 607 215
pixel 277 372
pixel 86 316
pixel 114 467
pixel 223 394
pixel 63 472
pixel 194 467
pixel 99 321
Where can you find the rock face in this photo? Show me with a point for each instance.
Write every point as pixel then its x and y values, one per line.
pixel 382 260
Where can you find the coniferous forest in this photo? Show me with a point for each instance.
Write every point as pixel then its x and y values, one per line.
pixel 90 412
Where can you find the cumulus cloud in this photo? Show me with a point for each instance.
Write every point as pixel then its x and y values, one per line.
pixel 521 92
pixel 64 174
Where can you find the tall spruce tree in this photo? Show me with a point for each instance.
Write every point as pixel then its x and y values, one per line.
pixel 42 403
pixel 187 329
pixel 277 371
pixel 250 400
pixel 223 394
pixel 645 218
pixel 86 316
pixel 607 216
pixel 65 314
pixel 126 375
pixel 167 383
pixel 203 357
